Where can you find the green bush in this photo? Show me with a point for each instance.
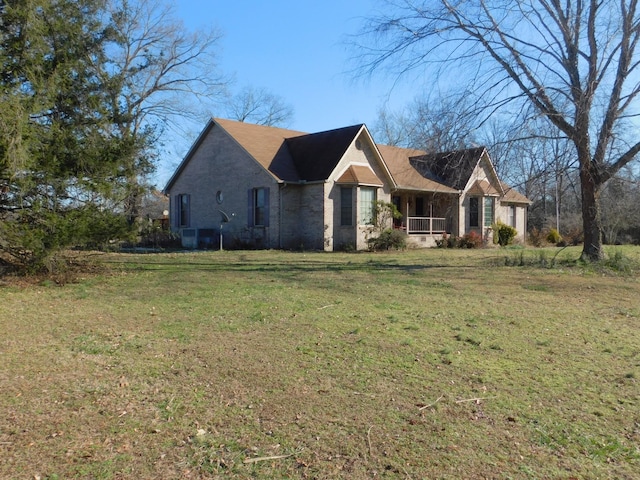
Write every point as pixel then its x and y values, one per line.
pixel 30 239
pixel 503 234
pixel 554 236
pixel 619 262
pixel 389 239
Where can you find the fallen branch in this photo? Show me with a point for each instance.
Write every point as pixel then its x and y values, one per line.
pixel 326 306
pixel 369 441
pixel 264 459
pixel 477 399
pixel 432 404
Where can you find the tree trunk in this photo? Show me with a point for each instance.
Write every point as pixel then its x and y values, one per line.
pixel 591 219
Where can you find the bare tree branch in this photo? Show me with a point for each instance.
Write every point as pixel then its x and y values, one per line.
pixel 259 106
pixel 574 61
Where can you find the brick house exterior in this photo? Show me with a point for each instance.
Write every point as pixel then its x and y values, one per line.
pixel 264 187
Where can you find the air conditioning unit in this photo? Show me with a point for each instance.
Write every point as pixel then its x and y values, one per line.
pixel 207 237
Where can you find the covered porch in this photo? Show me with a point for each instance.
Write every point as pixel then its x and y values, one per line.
pixel 426 213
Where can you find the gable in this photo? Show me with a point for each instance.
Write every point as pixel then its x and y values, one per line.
pixel 359 175
pixel 484 180
pixel 316 156
pixel 289 155
pixel 453 169
pixel 482 188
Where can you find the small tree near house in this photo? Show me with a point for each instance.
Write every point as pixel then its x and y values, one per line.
pixel 503 234
pixel 382 235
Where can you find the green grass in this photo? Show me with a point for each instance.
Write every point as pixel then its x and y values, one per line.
pixel 420 364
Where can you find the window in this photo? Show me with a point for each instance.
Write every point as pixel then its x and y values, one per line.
pixel 419 207
pixel 512 216
pixel 346 206
pixel 183 210
pixel 474 212
pixel 258 203
pixel 367 205
pixel 488 211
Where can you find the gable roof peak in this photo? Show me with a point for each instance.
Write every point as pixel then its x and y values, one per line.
pixel 289 155
pixel 452 168
pixel 316 155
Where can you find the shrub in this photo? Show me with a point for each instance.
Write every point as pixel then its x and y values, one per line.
pixel 536 237
pixel 503 234
pixel 553 236
pixel 574 236
pixel 619 262
pixel 389 239
pixel 447 241
pixel 471 240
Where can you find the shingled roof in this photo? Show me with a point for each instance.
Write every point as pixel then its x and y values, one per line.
pixel 316 155
pixel 293 156
pixel 513 196
pixel 452 169
pixel 267 145
pixel 405 174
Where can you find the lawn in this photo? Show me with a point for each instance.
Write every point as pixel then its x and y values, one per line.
pixel 420 364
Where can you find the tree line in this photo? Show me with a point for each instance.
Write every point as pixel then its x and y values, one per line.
pixel 573 64
pixel 88 90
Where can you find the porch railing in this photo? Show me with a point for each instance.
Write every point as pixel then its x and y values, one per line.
pixel 426 225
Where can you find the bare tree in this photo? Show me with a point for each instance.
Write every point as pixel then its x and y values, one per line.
pixel 161 70
pixel 433 124
pixel 574 61
pixel 161 64
pixel 259 106
pixel 443 124
pixel 532 156
pixel 393 128
pixel 620 199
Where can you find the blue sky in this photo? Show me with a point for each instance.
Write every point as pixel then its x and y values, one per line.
pixel 295 49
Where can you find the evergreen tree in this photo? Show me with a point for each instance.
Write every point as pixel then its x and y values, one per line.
pixel 61 156
pixel 85 87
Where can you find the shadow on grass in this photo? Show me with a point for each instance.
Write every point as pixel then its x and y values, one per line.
pixel 286 265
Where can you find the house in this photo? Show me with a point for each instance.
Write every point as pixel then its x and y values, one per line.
pixel 265 187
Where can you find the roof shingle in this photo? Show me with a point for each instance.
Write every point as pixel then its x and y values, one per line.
pixel 293 156
pixel 316 155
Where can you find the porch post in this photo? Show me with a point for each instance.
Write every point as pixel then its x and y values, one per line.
pixel 430 218
pixel 407 207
